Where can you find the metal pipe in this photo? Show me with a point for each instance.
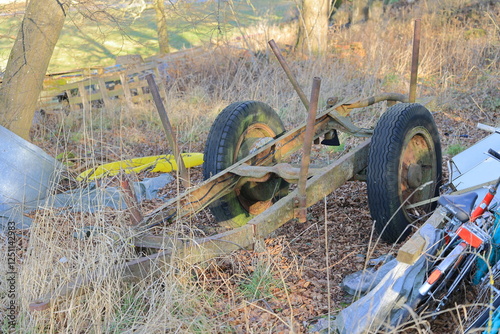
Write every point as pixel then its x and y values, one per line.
pixel 168 129
pixel 289 74
pixel 414 62
pixel 301 200
pixel 375 99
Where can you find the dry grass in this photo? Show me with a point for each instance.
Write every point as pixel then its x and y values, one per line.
pixel 460 57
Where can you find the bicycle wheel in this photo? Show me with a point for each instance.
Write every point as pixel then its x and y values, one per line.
pixel 483 314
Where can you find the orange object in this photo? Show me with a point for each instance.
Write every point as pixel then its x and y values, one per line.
pixel 434 276
pixel 469 237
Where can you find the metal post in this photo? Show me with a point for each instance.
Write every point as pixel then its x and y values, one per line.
pixel 301 200
pixel 168 129
pixel 414 62
pixel 289 74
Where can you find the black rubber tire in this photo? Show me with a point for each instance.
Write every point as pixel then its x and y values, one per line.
pixel 405 153
pixel 240 128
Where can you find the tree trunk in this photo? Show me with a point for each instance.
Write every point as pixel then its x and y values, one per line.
pixel 313 26
pixel 28 63
pixel 161 26
pixel 360 11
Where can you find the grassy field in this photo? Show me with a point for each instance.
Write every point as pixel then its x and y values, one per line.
pixel 91 38
pixel 293 278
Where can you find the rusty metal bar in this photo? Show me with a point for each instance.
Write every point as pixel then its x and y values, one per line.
pixel 306 157
pixel 343 109
pixel 129 197
pixel 289 74
pixel 414 62
pixel 168 129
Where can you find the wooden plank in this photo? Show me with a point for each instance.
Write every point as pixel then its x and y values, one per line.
pixel 72 85
pixel 126 88
pixel 137 69
pixel 204 249
pixel 416 246
pixel 111 76
pixel 49 101
pixel 156 241
pixel 85 98
pixel 104 92
pixel 118 92
pixel 75 100
pixel 83 95
pixel 97 96
pixel 71 101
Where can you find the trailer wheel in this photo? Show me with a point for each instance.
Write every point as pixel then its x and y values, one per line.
pixel 240 129
pixel 404 167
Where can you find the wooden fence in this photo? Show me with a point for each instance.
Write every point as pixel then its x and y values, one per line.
pixel 126 81
pixel 103 86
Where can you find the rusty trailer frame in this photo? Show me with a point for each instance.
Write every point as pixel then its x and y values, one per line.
pixel 313 185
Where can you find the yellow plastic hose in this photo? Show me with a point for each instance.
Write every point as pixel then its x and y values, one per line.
pixel 158 163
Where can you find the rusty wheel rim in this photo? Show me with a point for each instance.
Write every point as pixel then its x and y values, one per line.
pixel 417 167
pixel 254 137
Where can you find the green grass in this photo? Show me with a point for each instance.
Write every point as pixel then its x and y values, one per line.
pixel 129 311
pixel 454 149
pixel 9 26
pixel 260 284
pixel 90 43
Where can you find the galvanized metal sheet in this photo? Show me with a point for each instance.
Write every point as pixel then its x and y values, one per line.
pixel 474 165
pixel 27 171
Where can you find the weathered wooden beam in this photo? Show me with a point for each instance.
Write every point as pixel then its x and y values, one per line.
pixel 416 246
pixel 204 249
pixel 318 187
pixel 146 240
pixel 284 170
pixel 169 131
pixel 126 88
pixel 103 90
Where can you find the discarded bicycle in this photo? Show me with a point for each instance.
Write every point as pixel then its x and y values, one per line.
pixel 468 246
